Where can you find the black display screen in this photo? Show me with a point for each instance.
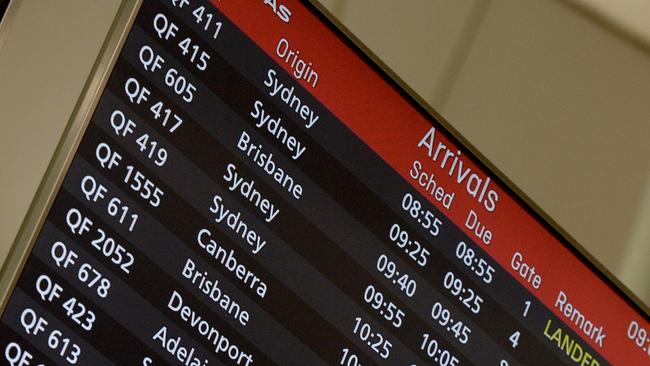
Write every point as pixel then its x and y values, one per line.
pixel 253 190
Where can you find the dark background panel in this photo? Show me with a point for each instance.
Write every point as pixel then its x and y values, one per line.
pixel 3 8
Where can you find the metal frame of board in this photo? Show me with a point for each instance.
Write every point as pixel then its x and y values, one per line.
pixel 6 18
pixel 96 82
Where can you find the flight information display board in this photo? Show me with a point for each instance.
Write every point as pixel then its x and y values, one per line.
pixel 3 8
pixel 253 190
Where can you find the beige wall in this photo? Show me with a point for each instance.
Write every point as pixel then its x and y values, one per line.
pixel 557 102
pixel 45 56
